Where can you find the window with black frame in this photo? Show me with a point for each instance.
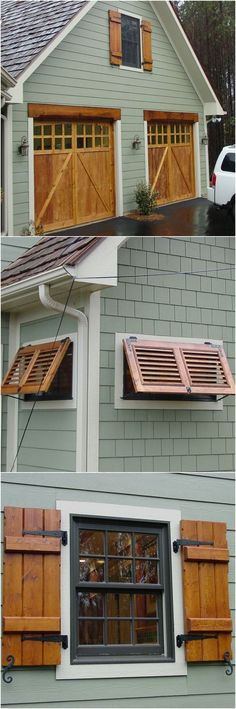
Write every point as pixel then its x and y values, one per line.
pixel 131 45
pixel 121 591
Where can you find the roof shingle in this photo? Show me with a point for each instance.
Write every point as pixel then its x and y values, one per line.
pixel 50 253
pixel 29 25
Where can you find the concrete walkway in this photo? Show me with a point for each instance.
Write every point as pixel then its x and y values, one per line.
pixel 195 217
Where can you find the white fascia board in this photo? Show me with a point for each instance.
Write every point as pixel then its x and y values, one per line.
pixel 17 92
pixel 13 290
pixel 99 267
pixel 186 55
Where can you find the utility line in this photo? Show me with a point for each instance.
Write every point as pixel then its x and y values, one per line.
pixel 160 273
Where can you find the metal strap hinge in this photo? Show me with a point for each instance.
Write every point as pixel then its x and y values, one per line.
pixel 180 639
pixel 46 533
pixel 189 543
pixel 63 639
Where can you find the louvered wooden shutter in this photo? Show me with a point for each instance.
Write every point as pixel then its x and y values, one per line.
pixel 115 37
pixel 34 367
pixel 31 586
pixel 147 45
pixel 206 598
pixel 162 367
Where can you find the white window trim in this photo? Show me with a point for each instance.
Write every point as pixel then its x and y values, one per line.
pixel 121 403
pixel 154 669
pixel 57 403
pixel 134 68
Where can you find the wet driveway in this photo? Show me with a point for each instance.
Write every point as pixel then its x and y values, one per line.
pixel 195 217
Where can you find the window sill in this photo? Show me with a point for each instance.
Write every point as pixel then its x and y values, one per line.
pixel 137 669
pixel 131 68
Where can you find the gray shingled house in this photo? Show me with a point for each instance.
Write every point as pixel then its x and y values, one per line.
pixel 106 95
pixel 117 354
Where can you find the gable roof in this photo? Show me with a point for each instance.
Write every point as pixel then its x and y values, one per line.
pixel 28 27
pixel 50 253
pixel 54 19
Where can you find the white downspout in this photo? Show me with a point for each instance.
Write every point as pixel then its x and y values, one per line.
pixel 82 373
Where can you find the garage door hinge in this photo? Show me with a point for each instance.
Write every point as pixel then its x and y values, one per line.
pixel 45 533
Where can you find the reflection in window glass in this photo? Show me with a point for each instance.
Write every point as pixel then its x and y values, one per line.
pixel 130 35
pixel 91 542
pixel 119 570
pixel 119 632
pixel 145 605
pixel 92 570
pixel 119 544
pixel 145 632
pixel 91 632
pixel 146 545
pixel 118 604
pixel 90 604
pixel 146 571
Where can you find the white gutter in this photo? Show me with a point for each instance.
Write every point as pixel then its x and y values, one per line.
pixel 82 372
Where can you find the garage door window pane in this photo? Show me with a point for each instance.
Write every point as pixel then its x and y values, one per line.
pixel 47 143
pixel 58 143
pixel 58 129
pixel 37 144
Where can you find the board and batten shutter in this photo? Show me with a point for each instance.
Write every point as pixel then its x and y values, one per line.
pixel 31 586
pixel 205 584
pixel 115 37
pixel 147 45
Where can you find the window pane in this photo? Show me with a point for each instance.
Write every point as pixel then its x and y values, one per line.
pixel 80 142
pixel 37 130
pixel 91 542
pixel 119 632
pixel 58 143
pixel 98 142
pixel 130 34
pixel 146 571
pixel 92 570
pixel 119 544
pixel 80 128
pixel 119 570
pixel 90 604
pixel 91 632
pixel 47 130
pixel 98 130
pixel 146 545
pixel 68 143
pixel 68 128
pixel 145 631
pixel 228 164
pixel 89 129
pixel 106 142
pixel 105 130
pixel 118 604
pixel 89 143
pixel 145 605
pixel 37 144
pixel 58 129
pixel 47 143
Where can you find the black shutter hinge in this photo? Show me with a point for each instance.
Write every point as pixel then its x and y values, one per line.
pixel 180 639
pixel 52 533
pixel 189 543
pixel 63 639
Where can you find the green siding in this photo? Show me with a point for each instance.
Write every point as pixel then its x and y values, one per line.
pixel 81 64
pixel 149 301
pixel 50 439
pixel 5 327
pixel 204 497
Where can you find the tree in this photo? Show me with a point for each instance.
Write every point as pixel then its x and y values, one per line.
pixel 209 25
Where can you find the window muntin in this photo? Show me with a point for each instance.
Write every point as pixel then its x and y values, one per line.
pixel 93 135
pixel 52 137
pixel 228 164
pixel 130 38
pixel 118 585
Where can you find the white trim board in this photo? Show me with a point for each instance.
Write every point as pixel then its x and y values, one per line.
pixel 121 403
pixel 139 669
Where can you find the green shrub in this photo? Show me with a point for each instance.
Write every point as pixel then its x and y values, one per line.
pixel 145 198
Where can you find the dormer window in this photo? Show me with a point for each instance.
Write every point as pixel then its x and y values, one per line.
pixel 130 41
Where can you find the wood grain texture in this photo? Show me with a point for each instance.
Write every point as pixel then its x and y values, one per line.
pixel 115 37
pixel 37 624
pixel 170 116
pixel 206 598
pixel 205 554
pixel 146 28
pixel 33 544
pixel 58 111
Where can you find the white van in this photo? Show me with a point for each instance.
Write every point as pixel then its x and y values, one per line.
pixel 222 190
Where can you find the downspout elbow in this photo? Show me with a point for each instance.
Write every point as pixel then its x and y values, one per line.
pixel 49 302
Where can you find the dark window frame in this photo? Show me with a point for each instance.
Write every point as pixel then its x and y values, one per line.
pixel 163 652
pixel 125 18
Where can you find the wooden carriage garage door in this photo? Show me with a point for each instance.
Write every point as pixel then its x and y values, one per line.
pixel 171 159
pixel 74 172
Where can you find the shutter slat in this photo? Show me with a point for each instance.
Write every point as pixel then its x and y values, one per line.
pixel 31 596
pixel 206 600
pixel 115 37
pixel 34 367
pixel 209 625
pixel 205 554
pixel 37 624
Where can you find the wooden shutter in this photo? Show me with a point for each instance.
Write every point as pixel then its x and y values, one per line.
pixel 163 367
pixel 206 599
pixel 31 586
pixel 34 367
pixel 147 45
pixel 115 37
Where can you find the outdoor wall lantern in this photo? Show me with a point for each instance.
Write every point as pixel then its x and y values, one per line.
pixel 23 147
pixel 136 142
pixel 205 140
